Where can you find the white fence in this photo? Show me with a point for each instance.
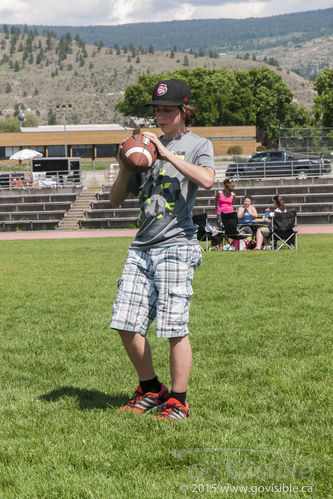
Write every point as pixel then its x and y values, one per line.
pixel 40 180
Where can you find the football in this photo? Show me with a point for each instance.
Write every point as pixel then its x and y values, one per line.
pixel 139 153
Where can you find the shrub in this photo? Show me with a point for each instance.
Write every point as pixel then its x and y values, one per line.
pixel 234 150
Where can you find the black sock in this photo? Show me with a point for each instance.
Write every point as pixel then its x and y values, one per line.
pixel 150 385
pixel 180 396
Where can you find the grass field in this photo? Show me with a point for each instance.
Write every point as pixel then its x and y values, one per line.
pixel 259 394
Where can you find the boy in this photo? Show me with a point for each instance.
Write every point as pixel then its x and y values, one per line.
pixel 157 277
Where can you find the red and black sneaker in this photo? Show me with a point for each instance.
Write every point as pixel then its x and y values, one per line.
pixel 173 410
pixel 144 402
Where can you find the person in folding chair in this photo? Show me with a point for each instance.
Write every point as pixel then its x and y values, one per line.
pixel 246 215
pixel 281 227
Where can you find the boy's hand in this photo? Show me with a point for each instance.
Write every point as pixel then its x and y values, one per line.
pixel 163 152
pixel 122 165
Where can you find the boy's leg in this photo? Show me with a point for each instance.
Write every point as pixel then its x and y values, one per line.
pixel 139 352
pixel 133 311
pixel 175 408
pixel 172 322
pixel 150 393
pixel 180 363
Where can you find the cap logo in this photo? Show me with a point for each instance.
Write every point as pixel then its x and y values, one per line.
pixel 161 89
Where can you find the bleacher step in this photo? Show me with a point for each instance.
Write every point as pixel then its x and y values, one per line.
pixel 77 210
pixel 312 198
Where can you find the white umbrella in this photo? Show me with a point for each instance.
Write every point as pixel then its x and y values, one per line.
pixel 25 154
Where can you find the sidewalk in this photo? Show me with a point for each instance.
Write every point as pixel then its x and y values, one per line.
pixel 81 234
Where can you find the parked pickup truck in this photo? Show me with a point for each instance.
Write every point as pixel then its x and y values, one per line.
pixel 278 164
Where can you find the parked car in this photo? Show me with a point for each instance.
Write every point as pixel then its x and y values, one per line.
pixel 278 164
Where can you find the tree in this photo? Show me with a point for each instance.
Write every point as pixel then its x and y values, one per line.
pixel 30 120
pixel 226 98
pixel 273 103
pixel 51 117
pixel 6 30
pixel 323 104
pixel 9 124
pixel 132 49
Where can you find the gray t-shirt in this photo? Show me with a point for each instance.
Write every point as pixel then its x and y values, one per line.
pixel 167 197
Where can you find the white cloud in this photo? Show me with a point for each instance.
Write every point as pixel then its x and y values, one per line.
pixel 94 12
pixel 231 10
pixel 126 11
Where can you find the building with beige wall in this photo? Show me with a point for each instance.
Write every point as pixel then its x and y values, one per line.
pixel 102 141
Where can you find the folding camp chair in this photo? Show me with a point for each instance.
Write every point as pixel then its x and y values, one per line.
pixel 230 221
pixel 283 230
pixel 206 233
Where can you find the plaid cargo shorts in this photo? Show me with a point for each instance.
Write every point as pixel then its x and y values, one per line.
pixel 156 283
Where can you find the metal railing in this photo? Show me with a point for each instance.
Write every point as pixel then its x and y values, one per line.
pixel 40 180
pixel 294 169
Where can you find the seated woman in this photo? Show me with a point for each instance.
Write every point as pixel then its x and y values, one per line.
pixel 264 233
pixel 246 214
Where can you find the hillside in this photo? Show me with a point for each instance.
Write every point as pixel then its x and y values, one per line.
pixel 308 58
pixel 79 83
pixel 215 34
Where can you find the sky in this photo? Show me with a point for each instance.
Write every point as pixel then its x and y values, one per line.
pixel 112 12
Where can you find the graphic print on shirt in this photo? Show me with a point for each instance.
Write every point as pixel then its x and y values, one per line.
pixel 161 193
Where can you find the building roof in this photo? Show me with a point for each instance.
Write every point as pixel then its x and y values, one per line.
pixel 75 128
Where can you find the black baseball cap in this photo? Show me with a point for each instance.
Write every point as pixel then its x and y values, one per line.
pixel 171 93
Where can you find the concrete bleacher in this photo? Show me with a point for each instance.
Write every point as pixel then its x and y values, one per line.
pixel 311 198
pixel 31 210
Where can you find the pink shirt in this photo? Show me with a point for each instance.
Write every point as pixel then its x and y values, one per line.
pixel 225 204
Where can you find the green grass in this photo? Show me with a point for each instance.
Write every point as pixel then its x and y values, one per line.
pixel 259 393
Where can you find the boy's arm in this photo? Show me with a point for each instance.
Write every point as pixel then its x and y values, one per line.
pixel 119 188
pixel 203 176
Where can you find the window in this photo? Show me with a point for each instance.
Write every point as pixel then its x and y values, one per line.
pixel 275 155
pixel 56 151
pixel 106 150
pixel 11 150
pixel 83 151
